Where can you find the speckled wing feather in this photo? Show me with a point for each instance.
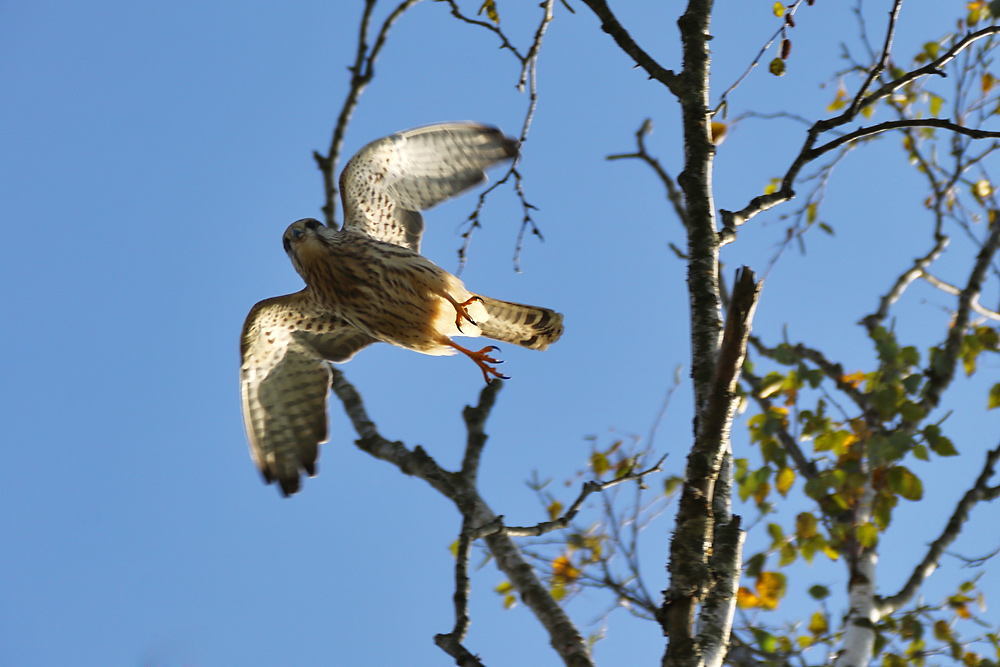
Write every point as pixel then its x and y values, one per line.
pixel 285 381
pixel 528 326
pixel 390 180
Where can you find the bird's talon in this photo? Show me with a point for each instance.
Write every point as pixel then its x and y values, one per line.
pixel 461 313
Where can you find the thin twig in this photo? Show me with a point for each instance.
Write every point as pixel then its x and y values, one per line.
pixel 593 486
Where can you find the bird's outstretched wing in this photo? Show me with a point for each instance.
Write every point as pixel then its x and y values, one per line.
pixel 285 380
pixel 386 185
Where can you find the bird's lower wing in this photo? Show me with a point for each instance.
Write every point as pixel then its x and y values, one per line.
pixel 285 380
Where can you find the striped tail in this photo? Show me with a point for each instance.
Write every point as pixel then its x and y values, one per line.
pixel 527 326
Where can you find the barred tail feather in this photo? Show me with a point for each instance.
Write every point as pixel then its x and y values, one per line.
pixel 527 326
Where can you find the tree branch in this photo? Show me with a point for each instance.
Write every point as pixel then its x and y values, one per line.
pixel 674 195
pixel 610 25
pixel 733 219
pixel 362 72
pixel 496 526
pixel 942 370
pixel 981 490
pixel 563 635
pixel 948 288
pixel 882 62
pixel 451 643
pixel 690 575
pixel 871 322
pixel 803 464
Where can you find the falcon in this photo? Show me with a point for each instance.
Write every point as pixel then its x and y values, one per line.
pixel 368 283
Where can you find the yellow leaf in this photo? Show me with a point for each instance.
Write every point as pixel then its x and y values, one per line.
pixel 760 495
pixel 563 570
pixel 745 598
pixel 818 625
pixel 599 463
pixel 840 101
pixel 770 589
pixel 805 525
pixel 490 7
pixel 772 186
pixel 936 103
pixel 854 379
pixel 718 132
pixel 454 549
pixel 963 611
pixel 982 189
pixel 786 476
pixel 554 510
pixel 779 9
pixel 942 631
pixel 988 82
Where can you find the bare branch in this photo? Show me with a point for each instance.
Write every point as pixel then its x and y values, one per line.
pixel 454 648
pixel 590 487
pixel 942 371
pixel 761 203
pixel 610 25
pixel 563 634
pixel 451 643
pixel 864 132
pixel 882 62
pixel 981 490
pixel 875 319
pixel 948 288
pixel 475 424
pixel 362 72
pixel 528 75
pixel 789 12
pixel 674 195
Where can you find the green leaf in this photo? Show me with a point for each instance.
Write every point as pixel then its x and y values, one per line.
pixel 943 447
pixel 755 565
pixel 777 67
pixel 867 535
pixel 910 411
pixel 905 483
pixel 994 401
pixel 765 640
pixel 788 554
pixel 819 592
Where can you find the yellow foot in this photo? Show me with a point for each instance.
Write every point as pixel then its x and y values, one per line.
pixel 482 360
pixel 462 314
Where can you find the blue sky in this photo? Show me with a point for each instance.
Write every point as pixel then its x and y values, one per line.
pixel 153 156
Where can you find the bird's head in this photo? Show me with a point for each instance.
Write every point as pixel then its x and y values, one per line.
pixel 301 236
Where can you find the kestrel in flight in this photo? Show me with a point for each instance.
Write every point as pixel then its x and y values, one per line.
pixel 368 283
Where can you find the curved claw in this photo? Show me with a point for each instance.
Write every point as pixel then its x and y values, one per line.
pixel 462 314
pixel 482 359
